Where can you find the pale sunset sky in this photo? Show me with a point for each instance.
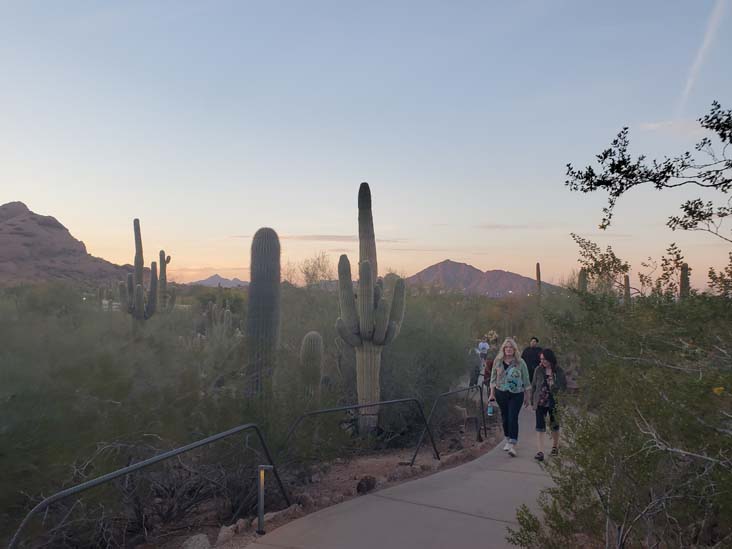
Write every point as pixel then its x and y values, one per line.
pixel 208 120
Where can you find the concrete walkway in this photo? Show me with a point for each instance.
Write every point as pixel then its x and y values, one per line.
pixel 467 507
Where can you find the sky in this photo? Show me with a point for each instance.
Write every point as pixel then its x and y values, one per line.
pixel 208 120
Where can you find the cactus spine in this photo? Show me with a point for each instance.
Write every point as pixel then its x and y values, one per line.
pixel 137 306
pixel 582 281
pixel 685 285
pixel 626 291
pixel 263 316
pixel 371 321
pixel 311 362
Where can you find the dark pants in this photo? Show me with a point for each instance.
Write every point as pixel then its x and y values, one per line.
pixel 510 405
pixel 541 413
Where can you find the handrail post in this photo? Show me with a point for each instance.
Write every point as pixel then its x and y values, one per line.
pixel 429 431
pixel 482 412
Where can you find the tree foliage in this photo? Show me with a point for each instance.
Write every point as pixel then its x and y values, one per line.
pixel 618 172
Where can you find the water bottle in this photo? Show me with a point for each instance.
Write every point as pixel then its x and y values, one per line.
pixel 489 410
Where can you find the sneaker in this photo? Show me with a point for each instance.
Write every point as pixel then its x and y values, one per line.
pixel 555 451
pixel 539 456
pixel 507 446
pixel 512 451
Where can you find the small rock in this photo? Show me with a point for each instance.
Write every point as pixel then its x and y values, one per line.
pixel 337 498
pixel 241 526
pixel 348 493
pixel 225 534
pixel 425 467
pixel 324 502
pixel 199 541
pixel 305 501
pixel 315 478
pixel 366 484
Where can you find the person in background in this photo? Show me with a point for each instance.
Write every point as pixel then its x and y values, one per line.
pixel 549 379
pixel 531 356
pixel 510 388
pixel 483 349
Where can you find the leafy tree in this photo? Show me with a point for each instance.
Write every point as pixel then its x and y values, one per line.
pixel 619 172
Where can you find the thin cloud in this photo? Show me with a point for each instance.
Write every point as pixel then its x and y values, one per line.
pixel 606 235
pixel 333 238
pixel 712 24
pixel 684 127
pixel 500 226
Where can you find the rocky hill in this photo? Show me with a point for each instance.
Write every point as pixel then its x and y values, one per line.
pixel 37 248
pixel 461 277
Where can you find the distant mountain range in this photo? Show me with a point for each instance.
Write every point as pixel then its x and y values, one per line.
pixel 461 277
pixel 215 280
pixel 37 248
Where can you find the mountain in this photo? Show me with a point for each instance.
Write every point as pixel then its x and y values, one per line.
pixel 214 280
pixel 461 277
pixel 38 248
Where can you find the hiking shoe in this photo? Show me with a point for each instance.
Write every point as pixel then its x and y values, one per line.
pixel 507 446
pixel 555 451
pixel 539 456
pixel 512 451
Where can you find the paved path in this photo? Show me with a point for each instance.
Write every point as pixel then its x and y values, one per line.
pixel 466 507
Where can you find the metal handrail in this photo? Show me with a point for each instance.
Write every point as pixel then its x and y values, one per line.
pixel 146 463
pixel 300 418
pixel 434 406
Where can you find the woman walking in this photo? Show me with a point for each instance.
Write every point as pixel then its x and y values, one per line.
pixel 511 388
pixel 549 378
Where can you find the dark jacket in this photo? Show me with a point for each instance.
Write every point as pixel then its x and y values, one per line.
pixel 560 383
pixel 531 358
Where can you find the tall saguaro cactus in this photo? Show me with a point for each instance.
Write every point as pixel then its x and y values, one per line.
pixel 538 281
pixel 685 284
pixel 370 320
pixel 137 305
pixel 626 291
pixel 166 299
pixel 263 316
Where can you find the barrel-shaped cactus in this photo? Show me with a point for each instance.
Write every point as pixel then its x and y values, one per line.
pixel 685 283
pixel 263 315
pixel 311 363
pixel 373 318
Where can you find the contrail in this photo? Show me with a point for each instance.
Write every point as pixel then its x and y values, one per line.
pixel 712 24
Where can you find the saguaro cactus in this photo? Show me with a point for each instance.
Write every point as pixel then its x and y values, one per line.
pixel 626 291
pixel 582 281
pixel 685 284
pixel 538 281
pixel 371 320
pixel 166 299
pixel 263 316
pixel 311 362
pixel 139 307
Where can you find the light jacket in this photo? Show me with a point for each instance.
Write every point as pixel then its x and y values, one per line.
pixel 560 383
pixel 514 379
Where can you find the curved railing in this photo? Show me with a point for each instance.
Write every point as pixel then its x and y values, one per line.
pixel 146 463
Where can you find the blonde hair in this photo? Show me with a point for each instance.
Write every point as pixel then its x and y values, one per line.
pixel 509 341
